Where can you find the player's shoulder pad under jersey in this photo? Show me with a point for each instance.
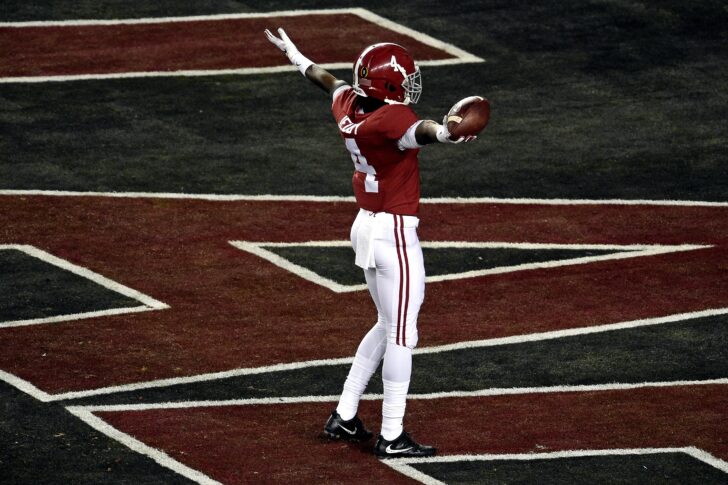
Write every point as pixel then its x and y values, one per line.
pixel 395 119
pixel 342 95
pixel 340 90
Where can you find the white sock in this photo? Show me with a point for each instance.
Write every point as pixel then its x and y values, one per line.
pixel 368 355
pixel 396 374
pixel 354 386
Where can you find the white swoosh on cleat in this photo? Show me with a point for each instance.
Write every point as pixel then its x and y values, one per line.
pixel 390 450
pixel 350 432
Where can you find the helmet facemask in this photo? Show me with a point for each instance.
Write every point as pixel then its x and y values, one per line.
pixel 412 86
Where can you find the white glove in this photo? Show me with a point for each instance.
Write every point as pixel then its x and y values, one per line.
pixel 285 44
pixel 443 135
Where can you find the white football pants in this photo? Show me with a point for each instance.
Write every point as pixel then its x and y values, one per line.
pixel 388 249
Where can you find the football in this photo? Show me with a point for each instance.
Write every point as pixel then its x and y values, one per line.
pixel 468 117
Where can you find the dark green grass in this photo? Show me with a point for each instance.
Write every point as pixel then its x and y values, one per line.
pixel 336 264
pixel 31 288
pixel 42 443
pixel 691 350
pixel 19 10
pixel 654 469
pixel 590 100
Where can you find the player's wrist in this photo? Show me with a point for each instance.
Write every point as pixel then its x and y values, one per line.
pixel 443 136
pixel 299 60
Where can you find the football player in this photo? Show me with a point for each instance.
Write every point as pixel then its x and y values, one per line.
pixel 383 136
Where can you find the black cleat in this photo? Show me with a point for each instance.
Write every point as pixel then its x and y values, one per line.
pixel 352 430
pixel 401 447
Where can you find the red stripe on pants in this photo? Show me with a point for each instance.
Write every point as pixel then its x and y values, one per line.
pixel 401 278
pixel 407 284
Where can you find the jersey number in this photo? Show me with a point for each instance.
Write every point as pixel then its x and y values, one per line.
pixel 361 165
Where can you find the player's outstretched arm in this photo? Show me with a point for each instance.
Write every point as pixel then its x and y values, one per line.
pixel 430 131
pixel 323 78
pixel 314 73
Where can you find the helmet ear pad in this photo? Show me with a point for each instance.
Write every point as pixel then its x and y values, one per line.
pixel 393 92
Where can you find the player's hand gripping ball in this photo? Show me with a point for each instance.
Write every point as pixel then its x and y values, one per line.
pixel 467 117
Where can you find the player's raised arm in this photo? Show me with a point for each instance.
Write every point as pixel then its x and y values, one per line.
pixel 317 75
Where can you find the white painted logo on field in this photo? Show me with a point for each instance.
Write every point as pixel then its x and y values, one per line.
pixel 147 303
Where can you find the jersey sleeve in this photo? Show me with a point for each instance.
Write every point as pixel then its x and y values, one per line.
pixel 341 101
pixel 409 139
pixel 339 91
pixel 396 119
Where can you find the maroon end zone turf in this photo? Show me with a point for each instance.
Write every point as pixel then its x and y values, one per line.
pixel 231 309
pixel 189 45
pixel 245 444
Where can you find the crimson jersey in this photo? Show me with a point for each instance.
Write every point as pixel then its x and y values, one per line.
pixel 386 179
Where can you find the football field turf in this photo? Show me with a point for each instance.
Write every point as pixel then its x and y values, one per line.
pixel 178 300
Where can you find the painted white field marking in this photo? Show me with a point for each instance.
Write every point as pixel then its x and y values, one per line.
pixel 506 391
pixel 25 386
pixel 405 465
pixel 622 252
pixel 221 403
pixel 708 458
pixel 180 196
pixel 339 198
pixel 166 20
pixel 305 273
pixel 134 444
pixel 213 376
pixel 459 56
pixel 182 73
pixel 572 332
pixel 411 472
pixel 516 339
pixel 148 303
pixel 363 13
pixel 514 391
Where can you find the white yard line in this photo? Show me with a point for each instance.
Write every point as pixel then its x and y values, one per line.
pixel 336 198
